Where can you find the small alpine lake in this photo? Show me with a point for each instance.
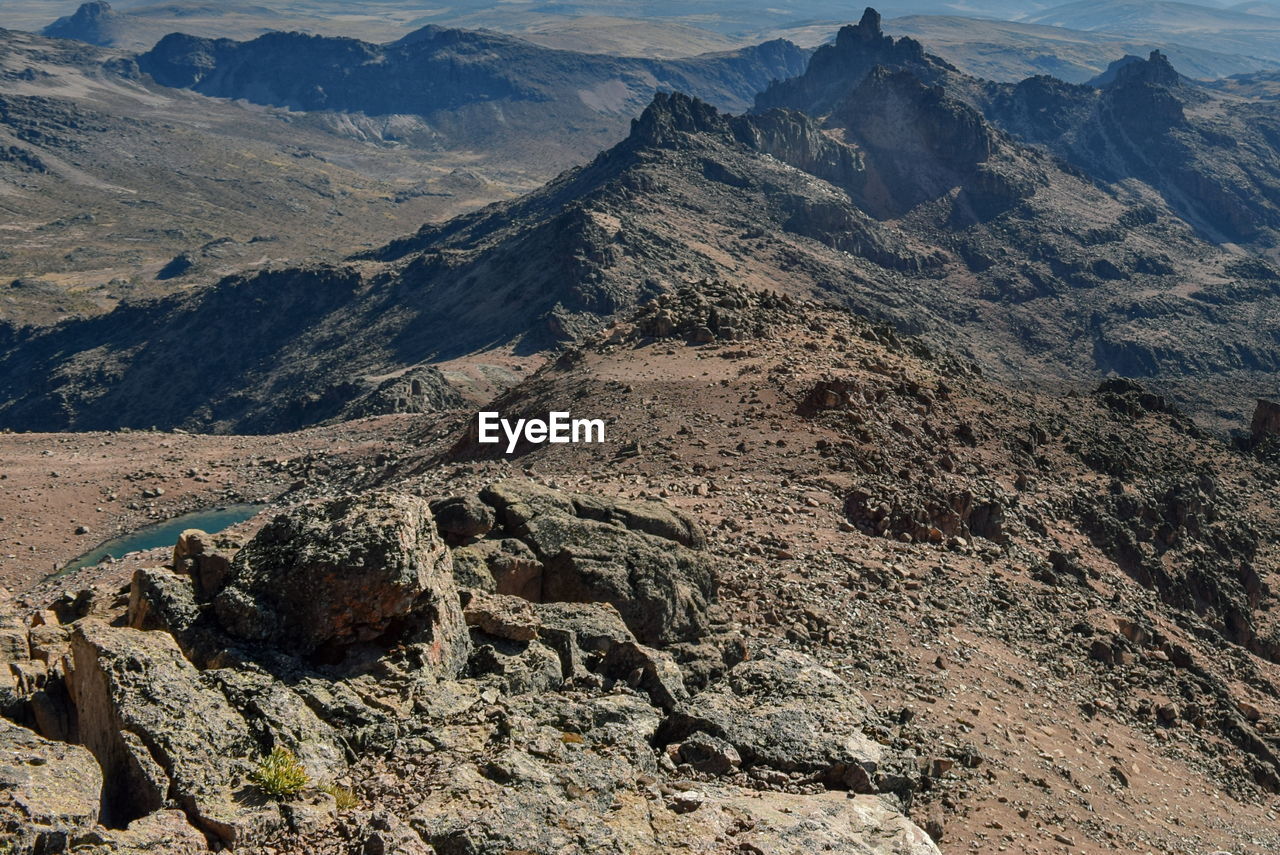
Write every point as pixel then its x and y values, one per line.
pixel 164 533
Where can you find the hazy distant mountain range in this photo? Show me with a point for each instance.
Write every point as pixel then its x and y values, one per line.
pixel 1004 42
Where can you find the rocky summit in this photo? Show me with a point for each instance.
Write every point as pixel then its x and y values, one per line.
pixel 826 588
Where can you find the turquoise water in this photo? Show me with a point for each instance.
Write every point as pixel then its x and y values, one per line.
pixel 163 534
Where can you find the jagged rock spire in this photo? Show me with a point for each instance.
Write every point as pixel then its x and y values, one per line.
pixel 864 32
pixel 837 68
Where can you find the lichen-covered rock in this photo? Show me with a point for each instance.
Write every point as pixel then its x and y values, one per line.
pixel 164 600
pixel 50 792
pixel 505 566
pixel 786 711
pixel 512 618
pixel 165 832
pixel 653 518
pixel 592 628
pixel 795 824
pixel 579 777
pixel 461 518
pixel 278 717
pixel 343 571
pixel 661 590
pixel 563 780
pixel 160 731
pixel 205 558
pixel 633 555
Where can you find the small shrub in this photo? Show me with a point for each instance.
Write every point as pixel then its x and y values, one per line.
pixel 344 796
pixel 280 774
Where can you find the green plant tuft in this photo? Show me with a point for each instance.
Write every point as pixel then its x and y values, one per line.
pixel 344 796
pixel 279 774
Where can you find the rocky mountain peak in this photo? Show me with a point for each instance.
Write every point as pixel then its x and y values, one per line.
pixel 89 23
pixel 669 116
pixel 866 31
pixel 1156 70
pixel 1147 96
pixel 92 11
pixel 837 67
pixel 895 111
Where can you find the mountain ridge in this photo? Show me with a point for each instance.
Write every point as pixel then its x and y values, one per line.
pixel 911 201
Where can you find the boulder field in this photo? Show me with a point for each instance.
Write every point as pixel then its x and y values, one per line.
pixel 520 670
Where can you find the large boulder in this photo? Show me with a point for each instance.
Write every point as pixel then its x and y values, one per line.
pixel 50 792
pixel 462 518
pixel 1266 420
pixel 205 558
pixel 784 710
pixel 343 571
pixel 161 731
pixel 641 557
pixel 504 565
pixel 160 599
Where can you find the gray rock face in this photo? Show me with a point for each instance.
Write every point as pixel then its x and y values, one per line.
pixel 641 557
pixel 160 731
pixel 838 67
pixel 279 717
pixel 205 558
pixel 164 832
pixel 504 566
pixel 1266 420
pixel 159 599
pixel 344 571
pixel 94 22
pixel 831 822
pixel 49 791
pixel 462 518
pixel 786 711
pixel 575 776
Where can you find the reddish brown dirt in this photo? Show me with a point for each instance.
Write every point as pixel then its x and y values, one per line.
pixel 980 665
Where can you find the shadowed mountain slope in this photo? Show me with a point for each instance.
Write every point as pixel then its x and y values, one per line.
pixel 917 212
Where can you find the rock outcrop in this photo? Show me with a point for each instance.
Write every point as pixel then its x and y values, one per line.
pixel 540 708
pixel 640 557
pixel 1266 420
pixel 838 67
pixel 784 711
pixel 344 571
pixel 95 22
pixel 160 732
pixel 420 390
